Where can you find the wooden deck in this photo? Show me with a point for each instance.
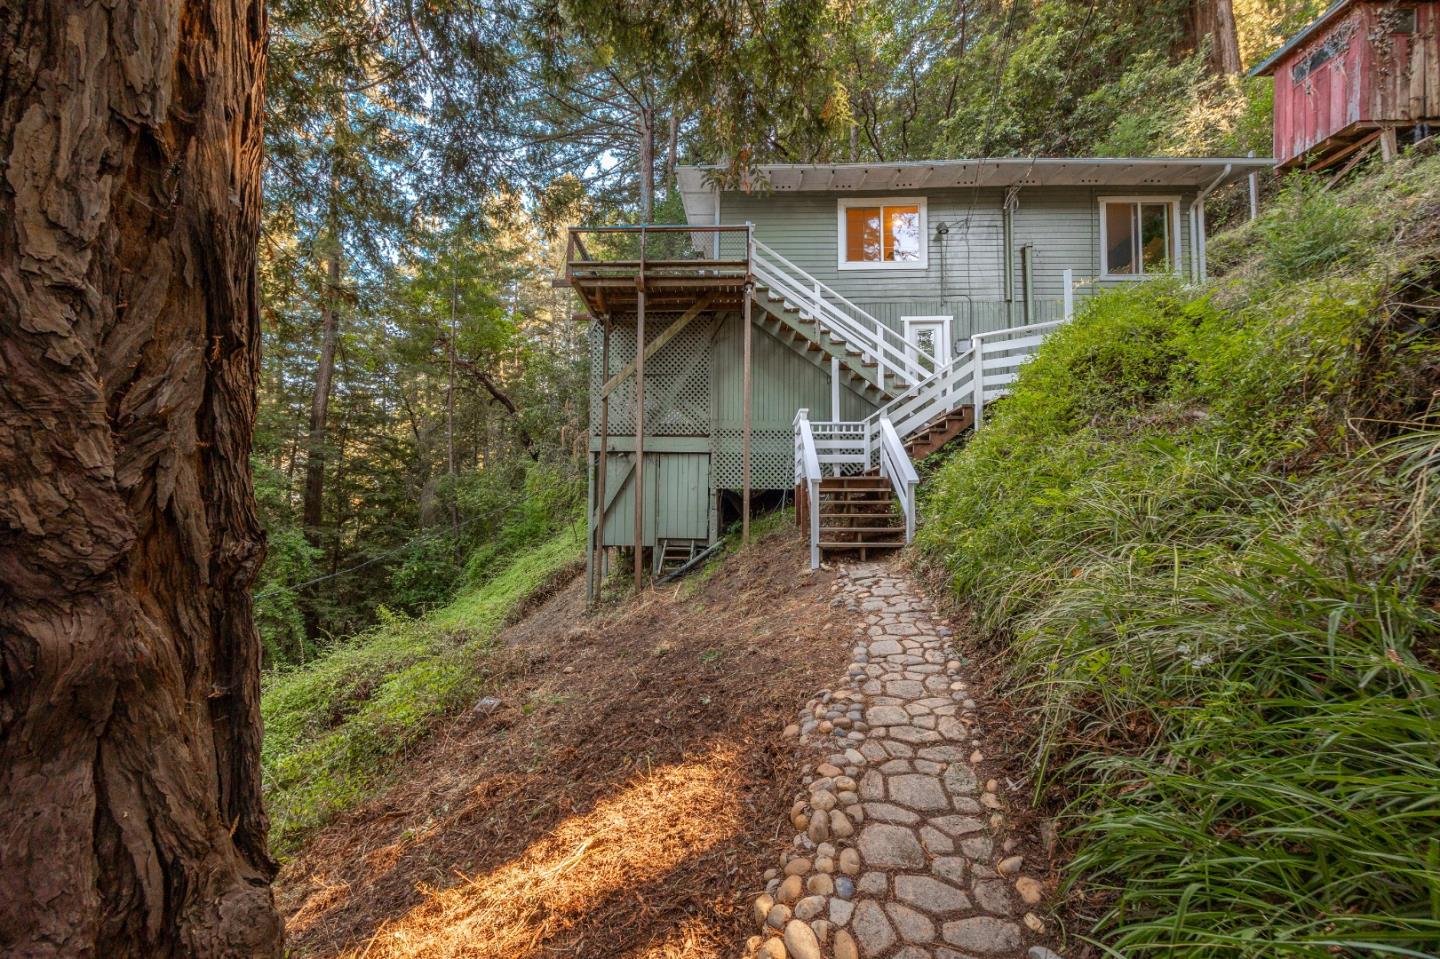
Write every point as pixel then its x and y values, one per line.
pixel 675 267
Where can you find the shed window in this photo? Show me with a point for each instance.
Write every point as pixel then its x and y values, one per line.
pixel 879 234
pixel 1138 236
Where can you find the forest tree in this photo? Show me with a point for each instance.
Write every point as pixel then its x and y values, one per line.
pixel 129 349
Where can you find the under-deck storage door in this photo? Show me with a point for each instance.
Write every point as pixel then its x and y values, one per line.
pixel 676 504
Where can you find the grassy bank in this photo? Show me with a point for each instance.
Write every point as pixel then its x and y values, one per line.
pixel 330 726
pixel 1205 523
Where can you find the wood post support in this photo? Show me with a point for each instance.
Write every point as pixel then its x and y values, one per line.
pixel 601 475
pixel 639 497
pixel 745 427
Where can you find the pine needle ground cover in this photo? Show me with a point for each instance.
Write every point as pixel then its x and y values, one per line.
pixel 331 726
pixel 1205 525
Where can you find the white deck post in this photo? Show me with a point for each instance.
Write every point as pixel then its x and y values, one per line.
pixel 835 388
pixel 977 349
pixel 1254 192
pixel 1068 282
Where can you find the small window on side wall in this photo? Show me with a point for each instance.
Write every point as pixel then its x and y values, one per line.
pixel 1138 237
pixel 882 233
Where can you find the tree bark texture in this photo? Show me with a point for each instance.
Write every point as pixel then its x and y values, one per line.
pixel 130 811
pixel 1215 20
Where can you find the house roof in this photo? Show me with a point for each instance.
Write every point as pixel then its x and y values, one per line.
pixel 698 192
pixel 1268 66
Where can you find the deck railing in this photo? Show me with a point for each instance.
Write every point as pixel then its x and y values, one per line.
pixel 658 250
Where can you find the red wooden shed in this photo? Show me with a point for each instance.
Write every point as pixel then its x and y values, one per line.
pixel 1365 70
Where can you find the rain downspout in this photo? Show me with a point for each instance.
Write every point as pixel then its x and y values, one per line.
pixel 1197 226
pixel 1012 200
pixel 1027 279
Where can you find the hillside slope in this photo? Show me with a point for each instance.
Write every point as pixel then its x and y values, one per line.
pixel 332 726
pixel 619 780
pixel 1203 529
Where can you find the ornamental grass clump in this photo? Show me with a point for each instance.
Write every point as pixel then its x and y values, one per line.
pixel 1204 522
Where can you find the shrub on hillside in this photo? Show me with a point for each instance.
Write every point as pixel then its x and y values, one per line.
pixel 1204 522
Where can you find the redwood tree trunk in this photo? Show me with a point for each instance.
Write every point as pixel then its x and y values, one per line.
pixel 1215 20
pixel 130 814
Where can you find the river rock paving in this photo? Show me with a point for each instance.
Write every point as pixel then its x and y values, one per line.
pixel 901 848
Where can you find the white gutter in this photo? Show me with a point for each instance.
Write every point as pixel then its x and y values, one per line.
pixel 1198 266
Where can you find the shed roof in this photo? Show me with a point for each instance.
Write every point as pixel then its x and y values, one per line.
pixel 698 193
pixel 1269 65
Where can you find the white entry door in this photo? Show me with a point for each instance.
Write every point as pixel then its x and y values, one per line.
pixel 928 339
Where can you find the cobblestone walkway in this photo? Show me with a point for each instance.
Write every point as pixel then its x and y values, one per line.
pixel 901 849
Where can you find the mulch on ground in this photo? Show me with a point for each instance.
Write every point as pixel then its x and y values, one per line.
pixel 619 801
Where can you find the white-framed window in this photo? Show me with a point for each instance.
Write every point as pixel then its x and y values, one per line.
pixel 1139 236
pixel 883 233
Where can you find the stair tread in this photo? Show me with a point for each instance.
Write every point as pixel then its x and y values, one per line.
pixel 860 545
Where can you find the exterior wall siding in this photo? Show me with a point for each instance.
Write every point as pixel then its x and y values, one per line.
pixel 1376 76
pixel 783 381
pixel 965 277
pixel 694 388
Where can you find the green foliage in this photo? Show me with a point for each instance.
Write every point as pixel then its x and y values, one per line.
pixel 330 726
pixel 289 561
pixel 1219 582
pixel 549 499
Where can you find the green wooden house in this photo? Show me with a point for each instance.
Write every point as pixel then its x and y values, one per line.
pixel 809 335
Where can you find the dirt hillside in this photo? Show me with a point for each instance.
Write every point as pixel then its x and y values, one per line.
pixel 618 800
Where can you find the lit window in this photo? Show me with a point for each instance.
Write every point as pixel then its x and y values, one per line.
pixel 882 234
pixel 1138 237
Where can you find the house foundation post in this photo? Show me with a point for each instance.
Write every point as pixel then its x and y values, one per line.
pixel 598 533
pixel 745 428
pixel 639 497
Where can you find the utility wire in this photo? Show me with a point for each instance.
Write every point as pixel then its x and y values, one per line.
pixel 387 554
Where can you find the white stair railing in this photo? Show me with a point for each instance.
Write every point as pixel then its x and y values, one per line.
pixel 897 364
pixel 997 355
pixel 807 481
pixel 895 466
pixel 839 448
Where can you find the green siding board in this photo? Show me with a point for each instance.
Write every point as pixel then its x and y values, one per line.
pixel 783 381
pixel 965 276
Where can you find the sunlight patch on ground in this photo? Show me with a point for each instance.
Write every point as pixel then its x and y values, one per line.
pixel 636 837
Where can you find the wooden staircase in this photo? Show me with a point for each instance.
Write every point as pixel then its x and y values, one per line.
pixel 805 335
pixel 858 513
pixel 868 500
pixel 939 431
pixel 672 554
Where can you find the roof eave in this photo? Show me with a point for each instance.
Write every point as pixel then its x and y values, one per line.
pixel 1268 66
